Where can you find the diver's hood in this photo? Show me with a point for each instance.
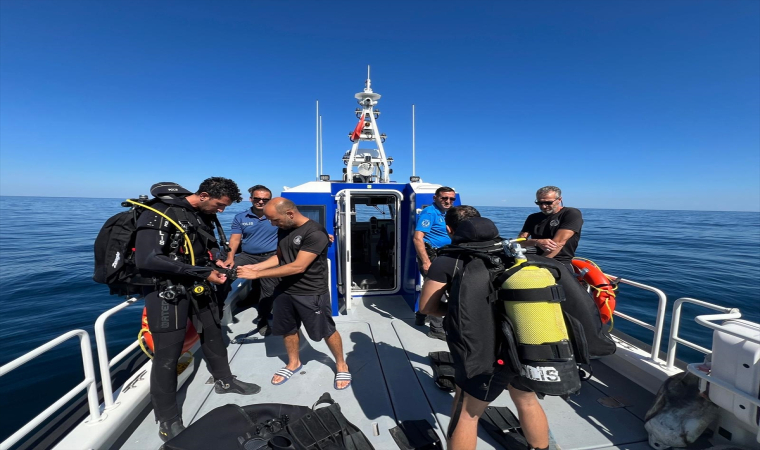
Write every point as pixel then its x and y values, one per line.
pixel 475 229
pixel 168 190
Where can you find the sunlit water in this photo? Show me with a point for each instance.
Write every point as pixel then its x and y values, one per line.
pixel 46 264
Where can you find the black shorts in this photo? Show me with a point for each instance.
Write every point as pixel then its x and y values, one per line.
pixel 314 311
pixel 486 387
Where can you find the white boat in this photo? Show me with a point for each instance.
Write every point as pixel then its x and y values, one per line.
pixel 374 284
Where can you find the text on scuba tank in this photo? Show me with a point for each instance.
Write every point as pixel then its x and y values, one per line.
pixel 548 374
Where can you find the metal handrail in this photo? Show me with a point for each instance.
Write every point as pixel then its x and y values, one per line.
pixel 100 342
pixel 89 383
pixel 695 369
pixel 674 340
pixel 659 319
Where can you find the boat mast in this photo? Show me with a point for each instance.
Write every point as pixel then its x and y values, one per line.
pixel 413 154
pixel 368 165
pixel 317 162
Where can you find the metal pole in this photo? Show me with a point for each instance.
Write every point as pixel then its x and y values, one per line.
pixel 413 149
pixel 321 167
pixel 317 159
pixel 103 361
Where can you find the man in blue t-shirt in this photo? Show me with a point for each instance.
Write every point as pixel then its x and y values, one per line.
pixel 429 235
pixel 258 237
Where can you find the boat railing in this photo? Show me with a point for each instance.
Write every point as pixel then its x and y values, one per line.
pixel 103 361
pixel 89 383
pixel 659 319
pixel 706 320
pixel 736 404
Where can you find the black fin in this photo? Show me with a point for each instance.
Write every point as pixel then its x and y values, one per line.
pixel 416 435
pixel 443 370
pixel 502 425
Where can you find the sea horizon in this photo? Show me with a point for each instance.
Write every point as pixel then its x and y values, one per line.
pixel 482 206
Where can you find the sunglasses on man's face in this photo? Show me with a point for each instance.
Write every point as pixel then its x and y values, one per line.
pixel 546 203
pixel 259 199
pixel 447 199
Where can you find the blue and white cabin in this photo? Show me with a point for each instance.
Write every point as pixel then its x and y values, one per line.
pixel 371 217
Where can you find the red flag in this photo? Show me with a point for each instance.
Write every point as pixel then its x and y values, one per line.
pixel 358 130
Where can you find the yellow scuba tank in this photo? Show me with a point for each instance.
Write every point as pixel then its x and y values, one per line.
pixel 531 300
pixel 535 322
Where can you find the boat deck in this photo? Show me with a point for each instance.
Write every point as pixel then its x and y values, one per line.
pixel 392 381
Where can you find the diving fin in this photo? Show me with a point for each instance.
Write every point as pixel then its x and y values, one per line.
pixel 416 435
pixel 443 370
pixel 502 425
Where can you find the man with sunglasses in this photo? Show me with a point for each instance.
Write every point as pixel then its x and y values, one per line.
pixel 258 238
pixel 430 234
pixel 556 230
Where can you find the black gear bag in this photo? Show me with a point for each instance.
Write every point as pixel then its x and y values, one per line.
pixel 272 426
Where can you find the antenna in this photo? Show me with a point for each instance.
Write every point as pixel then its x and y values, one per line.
pixel 321 149
pixel 413 149
pixel 317 177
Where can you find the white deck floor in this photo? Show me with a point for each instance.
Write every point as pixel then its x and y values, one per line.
pixel 387 356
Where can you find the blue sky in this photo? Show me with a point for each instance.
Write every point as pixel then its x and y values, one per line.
pixel 623 104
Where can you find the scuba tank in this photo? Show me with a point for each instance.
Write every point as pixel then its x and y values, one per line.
pixel 535 326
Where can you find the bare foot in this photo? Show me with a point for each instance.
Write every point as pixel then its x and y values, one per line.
pixel 279 379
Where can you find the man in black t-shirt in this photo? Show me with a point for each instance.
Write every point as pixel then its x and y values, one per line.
pixel 303 295
pixel 556 230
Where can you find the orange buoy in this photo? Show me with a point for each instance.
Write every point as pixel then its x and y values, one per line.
pixel 604 289
pixel 191 336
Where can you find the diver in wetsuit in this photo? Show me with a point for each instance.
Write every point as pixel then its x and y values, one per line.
pixel 184 289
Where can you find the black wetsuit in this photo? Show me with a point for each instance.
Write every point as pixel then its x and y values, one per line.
pixel 167 318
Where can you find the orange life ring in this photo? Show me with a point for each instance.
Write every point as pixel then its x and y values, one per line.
pixel 191 336
pixel 604 290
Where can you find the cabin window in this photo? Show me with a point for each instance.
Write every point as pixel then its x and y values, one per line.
pixel 313 212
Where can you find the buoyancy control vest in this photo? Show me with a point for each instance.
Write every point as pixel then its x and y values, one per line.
pixel 580 305
pixel 535 332
pixel 114 247
pixel 482 332
pixel 504 312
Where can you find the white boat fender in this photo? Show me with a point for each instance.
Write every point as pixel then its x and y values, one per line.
pixel 680 413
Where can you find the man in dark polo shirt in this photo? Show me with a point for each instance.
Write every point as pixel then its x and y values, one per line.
pixel 258 238
pixel 303 295
pixel 556 230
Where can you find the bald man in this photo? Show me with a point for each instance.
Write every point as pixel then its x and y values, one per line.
pixel 303 295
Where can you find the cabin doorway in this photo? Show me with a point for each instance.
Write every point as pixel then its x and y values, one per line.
pixel 368 242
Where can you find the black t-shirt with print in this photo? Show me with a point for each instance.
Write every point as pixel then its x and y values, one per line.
pixel 541 226
pixel 310 237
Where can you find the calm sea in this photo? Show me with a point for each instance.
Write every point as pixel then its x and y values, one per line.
pixel 46 288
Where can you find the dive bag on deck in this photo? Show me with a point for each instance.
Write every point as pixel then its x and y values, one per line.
pixel 272 426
